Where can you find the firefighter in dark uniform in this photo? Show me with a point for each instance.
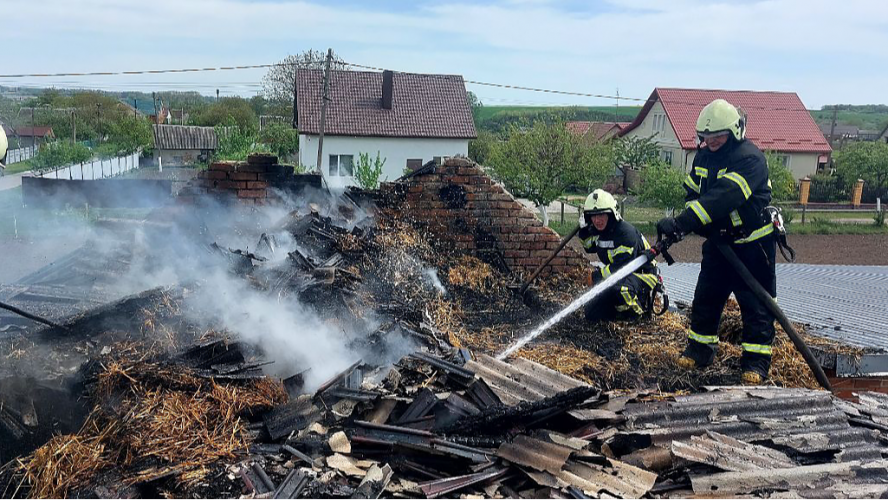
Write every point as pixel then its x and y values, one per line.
pixel 727 192
pixel 616 242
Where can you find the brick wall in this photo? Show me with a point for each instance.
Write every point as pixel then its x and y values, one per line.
pixel 253 182
pixel 468 212
pixel 846 387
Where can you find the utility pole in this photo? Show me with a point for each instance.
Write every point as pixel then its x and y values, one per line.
pixel 324 100
pixel 73 128
pixel 33 134
pixel 617 111
pixel 156 115
pixel 217 94
pixel 135 108
pixel 832 127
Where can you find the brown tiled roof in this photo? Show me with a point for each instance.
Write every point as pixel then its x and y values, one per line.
pixel 34 132
pixel 184 137
pixel 432 106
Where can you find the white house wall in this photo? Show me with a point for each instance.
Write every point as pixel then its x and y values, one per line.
pixel 395 150
pixel 665 136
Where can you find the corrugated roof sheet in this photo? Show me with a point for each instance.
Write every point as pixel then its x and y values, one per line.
pixel 777 121
pixel 842 303
pixel 433 106
pixel 185 137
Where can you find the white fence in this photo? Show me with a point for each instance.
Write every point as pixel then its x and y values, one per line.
pixel 18 155
pixel 92 170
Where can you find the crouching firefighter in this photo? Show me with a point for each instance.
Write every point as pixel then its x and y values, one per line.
pixel 727 195
pixel 616 242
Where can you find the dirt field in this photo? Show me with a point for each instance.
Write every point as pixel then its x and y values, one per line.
pixel 846 249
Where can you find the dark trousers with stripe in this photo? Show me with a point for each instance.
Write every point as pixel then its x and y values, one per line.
pixel 625 301
pixel 715 284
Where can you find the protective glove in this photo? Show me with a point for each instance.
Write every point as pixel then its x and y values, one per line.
pixel 670 228
pixel 582 219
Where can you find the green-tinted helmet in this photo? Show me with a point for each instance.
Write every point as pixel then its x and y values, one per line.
pixel 721 116
pixel 600 201
pixel 4 145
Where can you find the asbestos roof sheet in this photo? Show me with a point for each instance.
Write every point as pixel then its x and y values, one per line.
pixel 185 137
pixel 842 303
pixel 520 379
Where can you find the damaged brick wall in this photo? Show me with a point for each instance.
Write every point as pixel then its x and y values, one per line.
pixel 848 387
pixel 253 182
pixel 467 211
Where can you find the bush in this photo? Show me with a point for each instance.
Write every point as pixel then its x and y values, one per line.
pixel 879 218
pixel 828 189
pixel 281 139
pixel 662 185
pixel 783 185
pixel 60 154
pixel 367 172
pixel 236 142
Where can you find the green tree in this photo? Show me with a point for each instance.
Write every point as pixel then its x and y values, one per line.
pixel 59 154
pixel 218 113
pixel 634 153
pixel 474 103
pixel 864 160
pixel 481 147
pixel 367 171
pixel 783 185
pixel 236 143
pixel 662 185
pixel 281 139
pixel 541 162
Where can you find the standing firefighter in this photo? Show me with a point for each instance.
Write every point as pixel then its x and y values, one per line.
pixel 727 192
pixel 603 231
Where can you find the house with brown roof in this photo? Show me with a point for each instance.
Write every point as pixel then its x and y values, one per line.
pixel 596 131
pixel 776 121
pixel 409 118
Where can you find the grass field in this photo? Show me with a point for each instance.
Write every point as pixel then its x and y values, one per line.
pixel 15 168
pixel 863 119
pixel 623 113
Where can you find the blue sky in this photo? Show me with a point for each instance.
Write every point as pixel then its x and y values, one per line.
pixel 826 51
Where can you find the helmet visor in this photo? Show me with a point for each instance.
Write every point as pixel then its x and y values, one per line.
pixel 704 136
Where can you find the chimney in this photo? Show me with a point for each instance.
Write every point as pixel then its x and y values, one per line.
pixel 387 89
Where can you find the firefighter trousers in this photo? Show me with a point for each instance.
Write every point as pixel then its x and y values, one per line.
pixel 716 282
pixel 626 300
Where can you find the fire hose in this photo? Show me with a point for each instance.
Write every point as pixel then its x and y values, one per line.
pixel 30 316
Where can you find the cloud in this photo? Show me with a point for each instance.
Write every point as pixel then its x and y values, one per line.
pixel 631 44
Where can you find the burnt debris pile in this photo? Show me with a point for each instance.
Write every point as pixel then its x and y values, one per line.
pixel 328 347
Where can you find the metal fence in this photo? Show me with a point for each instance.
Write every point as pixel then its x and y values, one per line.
pixel 829 189
pixel 92 170
pixel 871 192
pixel 19 155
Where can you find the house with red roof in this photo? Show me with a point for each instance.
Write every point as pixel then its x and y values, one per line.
pixel 596 131
pixel 776 121
pixel 409 118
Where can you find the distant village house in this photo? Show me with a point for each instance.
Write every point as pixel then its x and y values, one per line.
pixel 594 132
pixel 183 145
pixel 777 121
pixel 409 118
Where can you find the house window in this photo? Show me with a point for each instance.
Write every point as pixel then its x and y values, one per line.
pixel 783 159
pixel 414 164
pixel 342 165
pixel 666 155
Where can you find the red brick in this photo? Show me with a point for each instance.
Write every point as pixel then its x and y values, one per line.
pixel 246 167
pixel 215 174
pixel 468 171
pixel 257 185
pixel 231 185
pixel 222 166
pixel 415 188
pixel 251 193
pixel 839 382
pixel 515 253
pixel 533 246
pixel 867 383
pixel 243 176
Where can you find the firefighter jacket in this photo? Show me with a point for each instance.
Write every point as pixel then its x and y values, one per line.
pixel 618 244
pixel 727 191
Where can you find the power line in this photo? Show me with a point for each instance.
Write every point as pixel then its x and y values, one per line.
pixel 617 98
